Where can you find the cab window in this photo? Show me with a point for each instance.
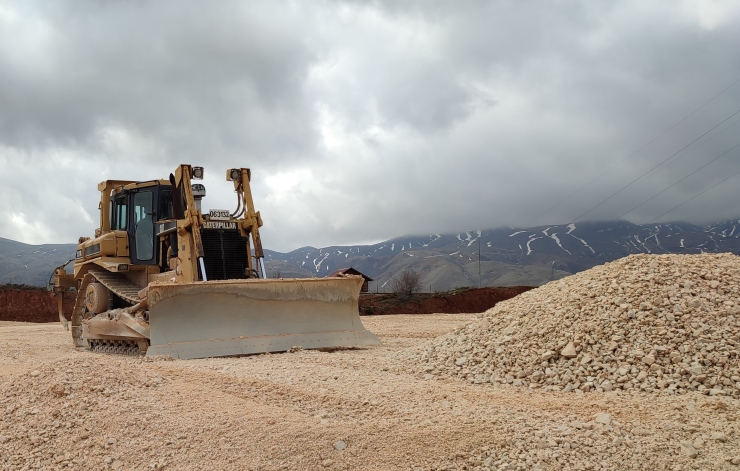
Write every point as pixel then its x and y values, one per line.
pixel 165 205
pixel 143 225
pixel 119 213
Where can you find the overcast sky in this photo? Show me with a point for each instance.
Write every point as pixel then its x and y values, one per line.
pixel 363 121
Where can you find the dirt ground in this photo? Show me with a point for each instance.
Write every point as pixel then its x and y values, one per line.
pixel 350 409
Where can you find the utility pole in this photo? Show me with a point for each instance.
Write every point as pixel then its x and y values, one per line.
pixel 480 280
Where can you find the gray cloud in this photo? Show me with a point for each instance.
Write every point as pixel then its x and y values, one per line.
pixel 367 120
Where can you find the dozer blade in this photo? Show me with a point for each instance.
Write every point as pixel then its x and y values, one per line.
pixel 237 317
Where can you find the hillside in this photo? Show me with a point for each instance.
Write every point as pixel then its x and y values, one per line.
pixel 508 256
pixel 31 264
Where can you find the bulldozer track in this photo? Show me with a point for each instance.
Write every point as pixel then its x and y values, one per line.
pixel 118 347
pixel 118 284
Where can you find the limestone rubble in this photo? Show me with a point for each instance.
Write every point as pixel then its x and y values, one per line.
pixel 663 324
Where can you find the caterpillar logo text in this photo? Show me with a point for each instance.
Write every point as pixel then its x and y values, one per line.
pixel 219 225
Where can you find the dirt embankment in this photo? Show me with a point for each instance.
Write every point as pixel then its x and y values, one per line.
pixel 457 301
pixel 24 304
pixel 32 305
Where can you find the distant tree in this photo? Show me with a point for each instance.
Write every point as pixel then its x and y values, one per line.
pixel 407 283
pixel 277 274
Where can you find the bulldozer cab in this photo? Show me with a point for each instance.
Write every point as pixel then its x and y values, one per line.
pixel 136 210
pixel 142 209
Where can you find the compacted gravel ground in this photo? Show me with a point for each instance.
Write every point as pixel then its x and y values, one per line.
pixel 344 409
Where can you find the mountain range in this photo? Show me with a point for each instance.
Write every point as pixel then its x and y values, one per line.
pixel 508 256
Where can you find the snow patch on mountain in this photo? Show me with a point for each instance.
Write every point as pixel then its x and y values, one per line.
pixel 554 237
pixel 529 242
pixel 657 241
pixel 468 237
pixel 318 265
pixel 637 238
pixel 584 243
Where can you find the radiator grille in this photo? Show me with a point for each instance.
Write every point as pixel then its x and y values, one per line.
pixel 225 254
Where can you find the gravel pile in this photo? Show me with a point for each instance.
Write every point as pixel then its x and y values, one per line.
pixel 653 323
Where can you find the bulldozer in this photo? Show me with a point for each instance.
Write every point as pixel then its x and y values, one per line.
pixel 162 277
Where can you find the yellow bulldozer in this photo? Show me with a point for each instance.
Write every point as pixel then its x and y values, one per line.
pixel 162 277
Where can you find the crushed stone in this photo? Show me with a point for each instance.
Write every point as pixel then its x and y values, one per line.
pixel 661 324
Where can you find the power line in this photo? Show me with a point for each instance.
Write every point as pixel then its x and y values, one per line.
pixel 699 146
pixel 678 160
pixel 684 178
pixel 693 197
pixel 649 171
pixel 632 154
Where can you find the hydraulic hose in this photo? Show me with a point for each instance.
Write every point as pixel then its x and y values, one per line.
pixel 51 283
